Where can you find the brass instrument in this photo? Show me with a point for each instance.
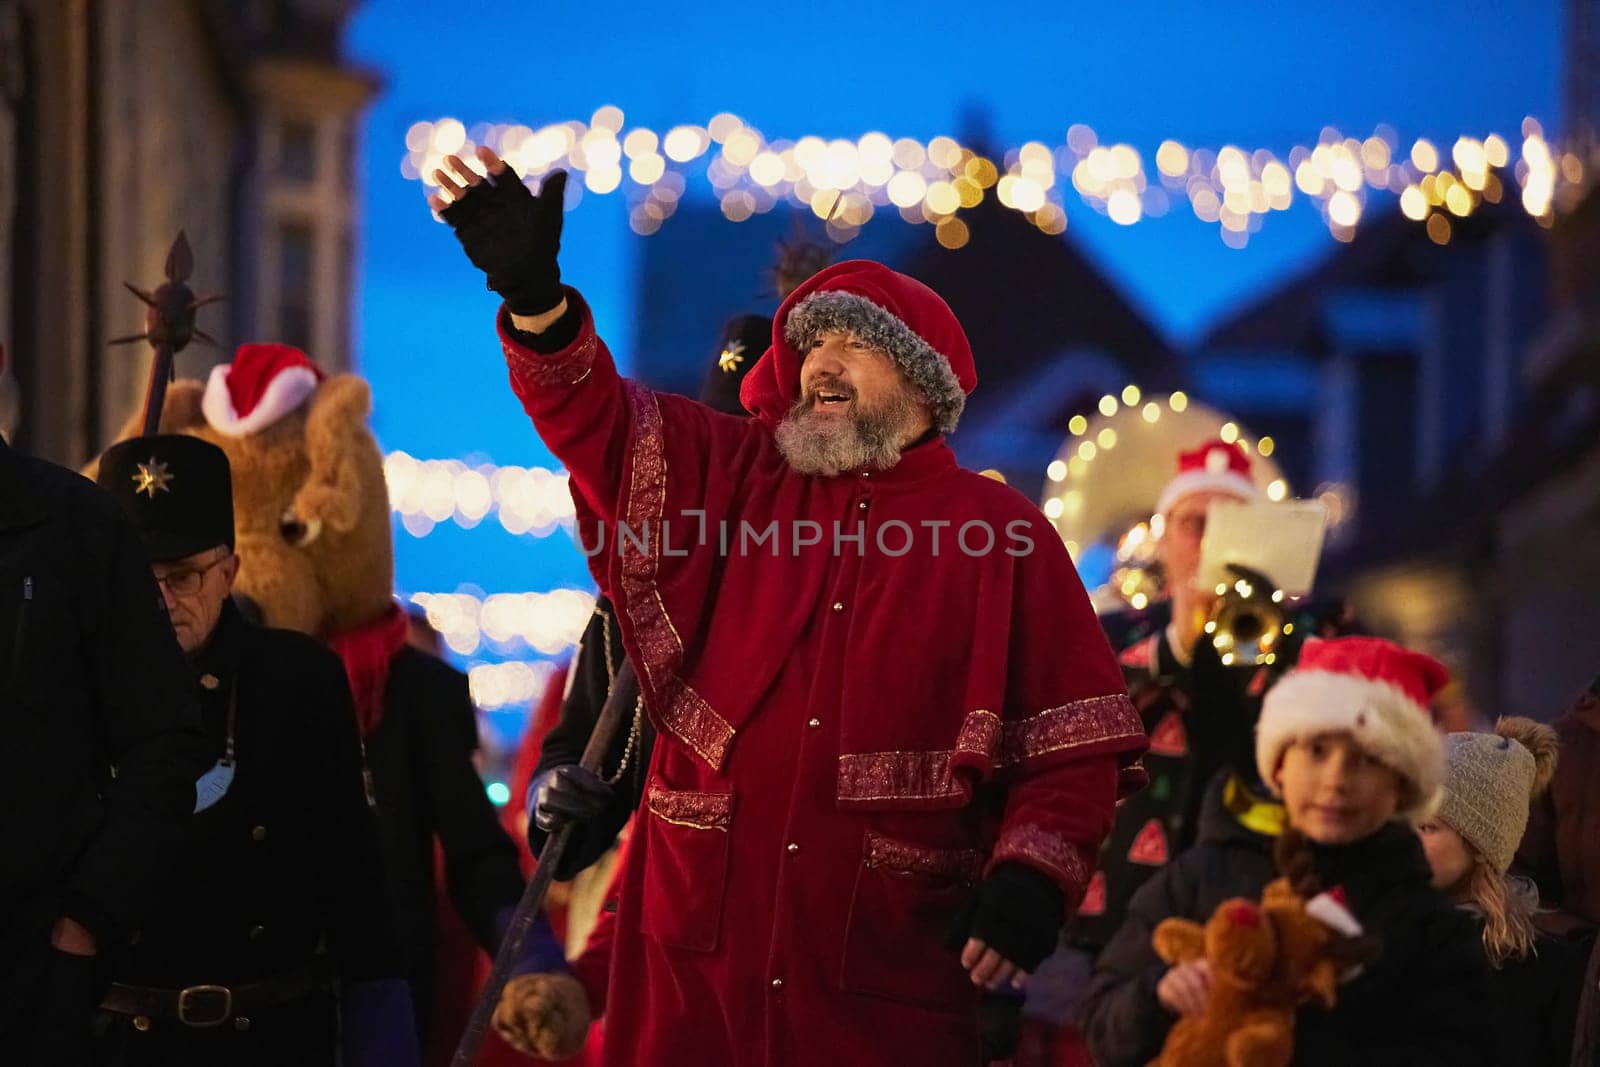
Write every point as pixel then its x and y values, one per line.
pixel 1099 492
pixel 1249 620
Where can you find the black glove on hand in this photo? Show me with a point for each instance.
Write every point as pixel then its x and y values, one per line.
pixel 564 794
pixel 1018 912
pixel 514 237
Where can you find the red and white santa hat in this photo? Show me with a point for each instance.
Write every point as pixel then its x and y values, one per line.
pixel 1375 691
pixel 262 385
pixel 1215 467
pixel 1332 910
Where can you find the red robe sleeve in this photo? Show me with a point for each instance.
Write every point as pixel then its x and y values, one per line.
pixel 578 403
pixel 1071 741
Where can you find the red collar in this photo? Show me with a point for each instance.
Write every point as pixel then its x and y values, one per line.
pixel 367 652
pixel 917 464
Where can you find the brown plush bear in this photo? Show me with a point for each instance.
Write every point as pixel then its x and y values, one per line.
pixel 311 512
pixel 1266 960
pixel 312 519
pixel 544 1015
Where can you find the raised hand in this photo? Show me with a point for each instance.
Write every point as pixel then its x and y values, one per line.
pixel 511 235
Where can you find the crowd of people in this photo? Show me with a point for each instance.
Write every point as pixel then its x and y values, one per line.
pixel 888 789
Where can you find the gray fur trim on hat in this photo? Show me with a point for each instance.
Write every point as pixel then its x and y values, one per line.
pixel 923 366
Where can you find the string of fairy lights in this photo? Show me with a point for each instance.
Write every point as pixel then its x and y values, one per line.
pixel 525 501
pixel 848 182
pixel 1088 443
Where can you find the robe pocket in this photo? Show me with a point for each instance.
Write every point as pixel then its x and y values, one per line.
pixel 686 870
pixel 907 899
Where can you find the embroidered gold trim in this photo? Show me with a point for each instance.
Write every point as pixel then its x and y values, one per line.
pixel 929 775
pixel 1034 844
pixel 981 734
pixel 701 811
pixel 898 776
pixel 682 711
pixel 953 864
pixel 1082 722
pixel 544 371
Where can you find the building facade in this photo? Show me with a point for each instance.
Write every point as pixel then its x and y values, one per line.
pixel 125 121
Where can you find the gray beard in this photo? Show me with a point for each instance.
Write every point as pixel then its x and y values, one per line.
pixel 865 438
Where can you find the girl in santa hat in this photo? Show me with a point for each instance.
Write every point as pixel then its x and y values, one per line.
pixel 1491 779
pixel 1345 741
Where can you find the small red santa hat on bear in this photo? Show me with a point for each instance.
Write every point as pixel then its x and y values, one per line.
pixel 1216 467
pixel 1374 690
pixel 262 385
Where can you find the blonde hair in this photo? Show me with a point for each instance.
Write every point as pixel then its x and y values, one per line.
pixel 1508 930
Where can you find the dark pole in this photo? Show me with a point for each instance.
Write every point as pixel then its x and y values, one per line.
pixel 168 326
pixel 617 710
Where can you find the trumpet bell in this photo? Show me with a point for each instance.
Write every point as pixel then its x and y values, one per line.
pixel 1248 625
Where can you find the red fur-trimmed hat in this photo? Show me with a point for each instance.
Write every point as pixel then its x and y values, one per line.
pixel 1374 690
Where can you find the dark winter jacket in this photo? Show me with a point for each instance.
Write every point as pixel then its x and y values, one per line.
pixel 100 743
pixel 1561 848
pixel 1422 1002
pixel 1534 1003
pixel 427 788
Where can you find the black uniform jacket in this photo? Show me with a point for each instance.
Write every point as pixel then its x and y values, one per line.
pixel 91 679
pixel 288 860
pixel 427 789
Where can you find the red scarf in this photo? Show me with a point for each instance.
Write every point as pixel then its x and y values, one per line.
pixel 367 651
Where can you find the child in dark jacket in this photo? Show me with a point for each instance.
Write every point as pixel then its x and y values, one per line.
pixel 1491 779
pixel 1345 739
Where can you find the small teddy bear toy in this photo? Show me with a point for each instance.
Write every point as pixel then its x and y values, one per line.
pixel 1266 960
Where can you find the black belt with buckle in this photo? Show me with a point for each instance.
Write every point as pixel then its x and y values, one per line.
pixel 202 1006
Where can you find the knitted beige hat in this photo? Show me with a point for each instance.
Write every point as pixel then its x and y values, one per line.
pixel 1490 781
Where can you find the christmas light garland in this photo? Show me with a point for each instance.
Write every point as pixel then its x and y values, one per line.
pixel 525 500
pixel 849 182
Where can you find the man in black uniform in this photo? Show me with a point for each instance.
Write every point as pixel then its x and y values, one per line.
pixel 276 943
pixel 90 680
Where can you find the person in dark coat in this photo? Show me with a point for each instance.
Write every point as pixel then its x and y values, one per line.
pixel 1535 979
pixel 101 750
pixel 276 942
pixel 1346 740
pixel 1200 716
pixel 428 790
pixel 1560 852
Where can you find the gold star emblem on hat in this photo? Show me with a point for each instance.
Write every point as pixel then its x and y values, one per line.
pixel 731 357
pixel 152 478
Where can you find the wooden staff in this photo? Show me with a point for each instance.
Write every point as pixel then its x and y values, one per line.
pixel 614 715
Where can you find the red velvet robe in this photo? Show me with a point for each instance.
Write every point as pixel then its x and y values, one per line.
pixel 849 739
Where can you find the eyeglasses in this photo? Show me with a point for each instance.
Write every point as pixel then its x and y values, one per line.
pixel 188 581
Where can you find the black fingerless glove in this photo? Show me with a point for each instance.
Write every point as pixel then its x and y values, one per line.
pixel 514 237
pixel 1018 912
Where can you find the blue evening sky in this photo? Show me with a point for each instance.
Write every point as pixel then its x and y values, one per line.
pixel 1255 73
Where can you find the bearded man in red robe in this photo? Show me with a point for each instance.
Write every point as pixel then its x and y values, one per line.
pixel 891 731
